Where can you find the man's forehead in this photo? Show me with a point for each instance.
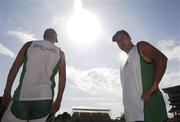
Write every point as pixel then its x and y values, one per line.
pixel 120 36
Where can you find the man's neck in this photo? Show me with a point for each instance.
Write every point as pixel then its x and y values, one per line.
pixel 129 49
pixel 49 40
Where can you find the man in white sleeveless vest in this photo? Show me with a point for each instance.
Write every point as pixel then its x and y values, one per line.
pixel 140 77
pixel 33 98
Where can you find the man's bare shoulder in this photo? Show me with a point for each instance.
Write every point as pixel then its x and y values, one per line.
pixel 27 44
pixel 62 53
pixel 145 46
pixel 62 56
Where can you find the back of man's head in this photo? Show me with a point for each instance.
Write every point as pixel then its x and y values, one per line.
pixel 50 33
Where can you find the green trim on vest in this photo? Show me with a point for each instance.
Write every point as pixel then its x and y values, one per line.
pixel 155 110
pixel 18 90
pixel 52 78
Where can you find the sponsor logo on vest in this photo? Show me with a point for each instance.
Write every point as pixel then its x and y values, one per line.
pixel 45 48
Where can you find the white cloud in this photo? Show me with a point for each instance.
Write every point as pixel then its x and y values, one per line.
pixel 170 48
pixel 5 51
pixel 22 36
pixel 171 79
pixel 101 82
pixel 58 21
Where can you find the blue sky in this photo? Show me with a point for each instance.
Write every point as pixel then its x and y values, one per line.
pixel 85 29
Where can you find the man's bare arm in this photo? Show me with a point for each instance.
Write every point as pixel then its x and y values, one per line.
pixel 13 72
pixel 62 83
pixel 159 59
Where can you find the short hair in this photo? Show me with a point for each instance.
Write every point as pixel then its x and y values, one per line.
pixel 49 33
pixel 120 32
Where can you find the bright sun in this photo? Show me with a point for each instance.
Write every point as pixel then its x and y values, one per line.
pixel 83 28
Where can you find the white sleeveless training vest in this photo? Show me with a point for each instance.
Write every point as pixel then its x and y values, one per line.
pixel 132 87
pixel 39 69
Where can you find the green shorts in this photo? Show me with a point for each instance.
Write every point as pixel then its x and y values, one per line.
pixel 30 110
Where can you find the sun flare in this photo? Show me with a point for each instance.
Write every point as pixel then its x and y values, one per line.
pixel 83 28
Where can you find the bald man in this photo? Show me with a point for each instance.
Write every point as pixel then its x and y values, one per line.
pixel 33 98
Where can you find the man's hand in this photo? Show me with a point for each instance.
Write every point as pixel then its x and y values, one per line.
pixel 56 106
pixel 6 99
pixel 145 97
